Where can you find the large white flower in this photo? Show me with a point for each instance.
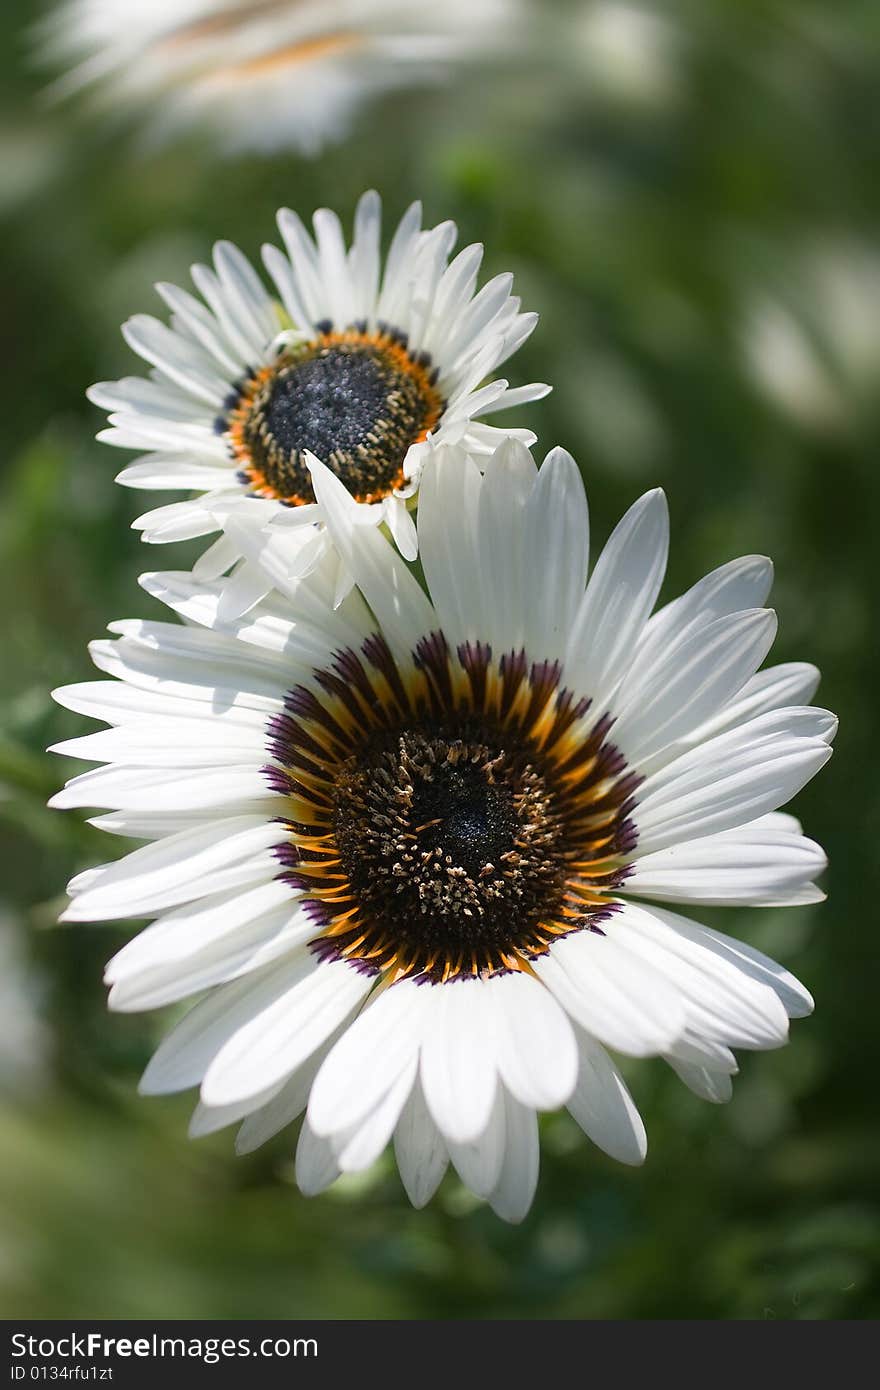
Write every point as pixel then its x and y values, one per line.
pixel 263 74
pixel 355 363
pixel 402 848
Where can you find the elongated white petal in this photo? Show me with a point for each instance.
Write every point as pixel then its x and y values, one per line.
pixel 618 599
pixel 286 1103
pixel 316 1165
pixel 116 702
pixel 479 1162
pixel 557 534
pixel 696 676
pixel 603 1107
pixel 715 1086
pixel 207 1119
pixel 796 999
pixel 179 868
pixel 358 1149
pixel 721 1001
pixel 537 1053
pixel 366 1062
pixel 184 1056
pixel 450 552
pixel 507 483
pixel 612 994
pixel 732 588
pixel 733 779
pixel 157 789
pixel 792 684
pixel 419 1149
pixel 752 864
pixel 269 935
pixel 513 1195
pixel 275 1041
pixel 458 1068
pixel 403 611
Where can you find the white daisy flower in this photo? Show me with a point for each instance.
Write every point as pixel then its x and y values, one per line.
pixel 263 75
pixel 408 850
pixel 356 363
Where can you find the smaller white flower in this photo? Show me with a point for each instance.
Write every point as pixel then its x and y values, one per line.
pixel 357 364
pixel 263 76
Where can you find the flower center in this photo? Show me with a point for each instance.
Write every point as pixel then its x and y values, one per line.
pixel 449 819
pixel 356 400
pixel 452 844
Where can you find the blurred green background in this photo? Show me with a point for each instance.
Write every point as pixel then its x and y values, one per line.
pixel 689 196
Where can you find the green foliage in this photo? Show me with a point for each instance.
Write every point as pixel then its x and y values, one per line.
pixel 652 220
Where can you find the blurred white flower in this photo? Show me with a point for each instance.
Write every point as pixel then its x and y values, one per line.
pixel 263 74
pixel 810 340
pixel 628 52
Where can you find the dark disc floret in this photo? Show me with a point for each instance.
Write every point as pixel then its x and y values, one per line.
pixel 355 400
pixel 450 842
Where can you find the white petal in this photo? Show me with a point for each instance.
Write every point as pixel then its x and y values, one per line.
pixel 333 265
pixel 360 1148
pixel 207 1119
pixel 203 326
pixel 364 255
pixel 420 1151
pixel 507 482
pixel 184 1056
pixel 613 994
pixel 189 663
pixel 179 868
pixel 722 1001
pixel 796 999
pixel 715 1086
pixel 401 608
pixel 519 1173
pixel 288 1101
pixel 185 932
pixel 733 779
pixel 168 743
pixel 116 702
pixel 604 1108
pixel 402 527
pixel 178 521
pixel 316 1166
pixel 449 544
pixel 155 472
pixel 179 361
pixel 269 936
pixel 557 531
pixel 159 789
pixel 791 684
pixel 740 584
pixel 537 1053
pixel 619 597
pixel 752 864
pixel 282 1035
pixel 479 1163
pixel 697 674
pixel 369 1057
pixel 700 1051
pixel 458 1069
